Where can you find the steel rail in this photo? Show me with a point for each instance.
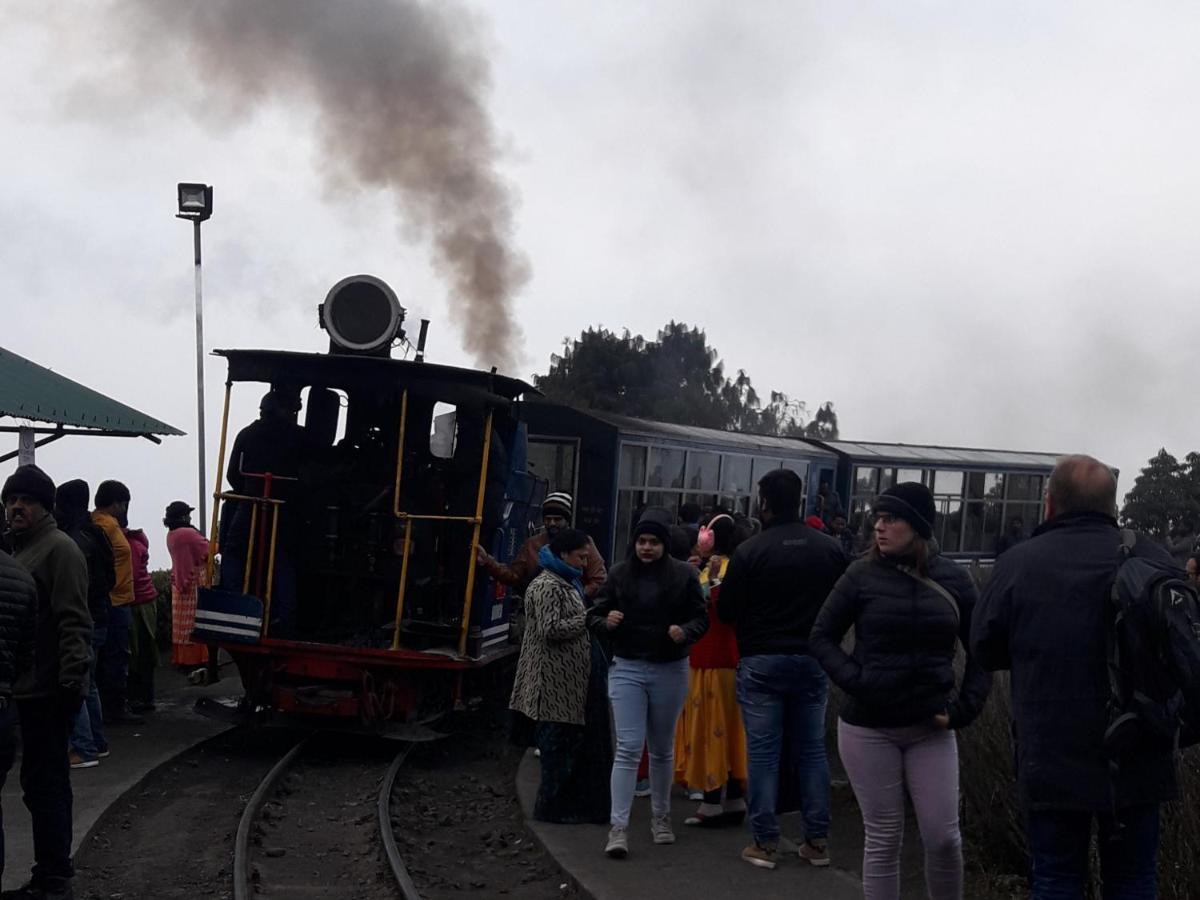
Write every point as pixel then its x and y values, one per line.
pixel 404 881
pixel 243 889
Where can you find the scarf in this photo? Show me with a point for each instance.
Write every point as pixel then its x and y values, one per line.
pixel 552 563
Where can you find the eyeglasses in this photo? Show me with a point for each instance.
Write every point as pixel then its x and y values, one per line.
pixel 885 517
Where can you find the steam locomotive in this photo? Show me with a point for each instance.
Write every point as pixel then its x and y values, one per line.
pixel 368 532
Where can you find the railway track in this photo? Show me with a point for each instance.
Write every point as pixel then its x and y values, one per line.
pixel 277 851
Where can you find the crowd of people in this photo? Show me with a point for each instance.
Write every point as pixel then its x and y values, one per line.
pixel 78 643
pixel 717 637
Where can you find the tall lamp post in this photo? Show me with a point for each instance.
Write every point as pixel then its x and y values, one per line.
pixel 196 203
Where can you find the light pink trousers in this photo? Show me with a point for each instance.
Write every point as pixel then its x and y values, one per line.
pixel 881 763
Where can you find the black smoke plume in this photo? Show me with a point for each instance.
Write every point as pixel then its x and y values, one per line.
pixel 399 88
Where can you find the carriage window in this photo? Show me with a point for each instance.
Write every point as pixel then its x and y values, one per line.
pixel 633 466
pixel 905 475
pixel 982 527
pixel 666 467
pixel 735 474
pixel 443 435
pixel 948 482
pixel 702 470
pixel 1024 487
pixel 866 480
pixel 985 485
pixel 762 465
pixel 948 528
pixel 887 478
pixel 555 462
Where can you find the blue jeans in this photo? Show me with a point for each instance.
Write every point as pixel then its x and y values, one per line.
pixel 1059 842
pixel 647 698
pixel 87 737
pixel 778 693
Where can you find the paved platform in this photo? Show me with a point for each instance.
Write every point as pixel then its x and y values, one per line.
pixel 135 751
pixel 705 862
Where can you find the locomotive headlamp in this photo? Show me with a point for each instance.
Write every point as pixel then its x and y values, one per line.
pixel 361 314
pixel 195 201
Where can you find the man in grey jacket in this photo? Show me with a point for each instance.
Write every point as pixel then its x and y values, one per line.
pixel 50 691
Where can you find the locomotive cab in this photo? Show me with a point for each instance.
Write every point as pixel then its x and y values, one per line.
pixel 347 582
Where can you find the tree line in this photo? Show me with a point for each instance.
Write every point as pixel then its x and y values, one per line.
pixel 1165 498
pixel 678 378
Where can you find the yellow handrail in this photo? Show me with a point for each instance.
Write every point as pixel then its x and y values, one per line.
pixel 400 593
pixel 212 538
pixel 250 549
pixel 266 623
pixel 483 470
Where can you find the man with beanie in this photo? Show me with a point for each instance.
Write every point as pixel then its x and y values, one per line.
pixel 774 586
pixel 1045 615
pixel 557 510
pixel 112 508
pixel 88 741
pixel 50 691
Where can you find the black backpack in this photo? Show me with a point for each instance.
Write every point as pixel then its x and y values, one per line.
pixel 1153 657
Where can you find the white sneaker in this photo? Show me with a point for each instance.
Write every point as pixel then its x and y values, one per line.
pixel 660 828
pixel 618 843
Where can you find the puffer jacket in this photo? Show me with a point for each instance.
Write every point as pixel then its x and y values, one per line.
pixel 653 597
pixel 63 627
pixel 18 601
pixel 902 669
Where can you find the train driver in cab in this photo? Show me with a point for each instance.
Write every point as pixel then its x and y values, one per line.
pixel 557 513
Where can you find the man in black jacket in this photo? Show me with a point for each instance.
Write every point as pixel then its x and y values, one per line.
pixel 71 504
pixel 773 588
pixel 1044 615
pixel 50 691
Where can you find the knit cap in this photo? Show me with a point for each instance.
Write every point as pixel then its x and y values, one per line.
pixel 912 502
pixel 656 521
pixel 558 503
pixel 32 481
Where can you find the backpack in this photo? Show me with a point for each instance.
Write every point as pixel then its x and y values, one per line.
pixel 1153 657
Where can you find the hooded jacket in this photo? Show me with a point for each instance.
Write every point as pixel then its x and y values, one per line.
pixel 905 635
pixel 776 583
pixel 1044 615
pixel 102 575
pixel 18 602
pixel 63 627
pixel 144 590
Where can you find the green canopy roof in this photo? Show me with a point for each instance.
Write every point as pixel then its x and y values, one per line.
pixel 30 391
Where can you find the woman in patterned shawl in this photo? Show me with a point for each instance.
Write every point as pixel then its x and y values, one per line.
pixel 560 686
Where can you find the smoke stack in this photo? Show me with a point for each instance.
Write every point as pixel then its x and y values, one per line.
pixel 421 340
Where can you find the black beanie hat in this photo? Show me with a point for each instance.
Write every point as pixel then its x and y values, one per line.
pixel 655 521
pixel 912 502
pixel 31 480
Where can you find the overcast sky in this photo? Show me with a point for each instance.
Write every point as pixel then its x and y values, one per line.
pixel 963 223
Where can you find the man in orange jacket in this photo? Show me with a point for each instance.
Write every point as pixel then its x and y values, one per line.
pixel 112 507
